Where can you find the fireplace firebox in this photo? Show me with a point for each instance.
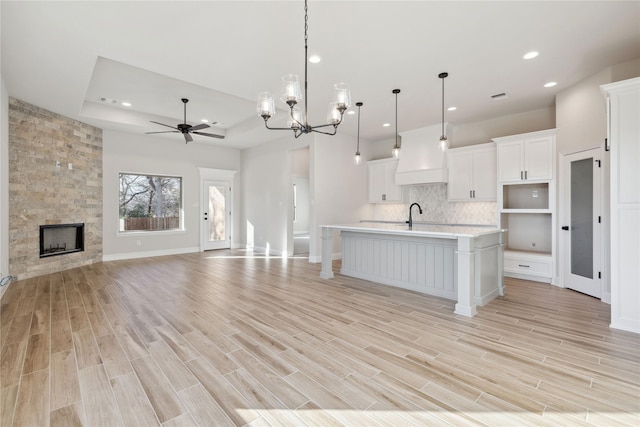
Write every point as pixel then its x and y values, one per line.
pixel 60 239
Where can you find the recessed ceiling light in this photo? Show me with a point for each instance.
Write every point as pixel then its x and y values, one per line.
pixel 126 104
pixel 204 121
pixel 314 59
pixel 530 55
pixel 351 112
pixel 452 108
pixel 386 125
pixel 550 84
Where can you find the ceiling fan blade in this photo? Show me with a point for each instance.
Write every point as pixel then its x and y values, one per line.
pixel 187 138
pixel 162 124
pixel 198 127
pixel 212 135
pixel 164 131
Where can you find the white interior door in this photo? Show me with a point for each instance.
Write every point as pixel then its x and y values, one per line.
pixel 216 215
pixel 581 222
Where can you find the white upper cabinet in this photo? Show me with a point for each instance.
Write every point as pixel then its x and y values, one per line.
pixel 382 187
pixel 526 157
pixel 472 173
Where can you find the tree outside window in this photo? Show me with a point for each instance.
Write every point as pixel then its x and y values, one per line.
pixel 150 202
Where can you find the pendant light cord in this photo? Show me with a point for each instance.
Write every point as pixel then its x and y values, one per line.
pixel 359 104
pixel 396 92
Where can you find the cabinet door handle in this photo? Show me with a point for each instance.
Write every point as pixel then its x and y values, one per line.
pixel 474 194
pixel 470 194
pixel 565 227
pixel 525 174
pixel 521 176
pixel 522 265
pixel 384 197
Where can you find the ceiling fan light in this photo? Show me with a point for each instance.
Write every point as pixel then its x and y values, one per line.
pixel 265 107
pixel 291 93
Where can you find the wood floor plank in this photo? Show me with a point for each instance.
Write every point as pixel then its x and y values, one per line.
pixel 204 410
pixel 65 386
pixel 176 372
pixel 32 405
pixel 114 358
pixel 37 355
pixel 163 398
pixel 233 403
pixel 100 406
pixel 132 401
pixel 8 399
pixel 11 362
pixel 86 348
pixel 68 416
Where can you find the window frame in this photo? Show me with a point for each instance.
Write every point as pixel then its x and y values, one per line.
pixel 179 230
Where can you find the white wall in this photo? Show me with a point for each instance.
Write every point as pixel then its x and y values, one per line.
pixel 136 153
pixel 266 222
pixel 338 187
pixel 4 182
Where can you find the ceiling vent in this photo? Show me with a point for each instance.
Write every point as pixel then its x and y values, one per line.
pixel 108 101
pixel 498 96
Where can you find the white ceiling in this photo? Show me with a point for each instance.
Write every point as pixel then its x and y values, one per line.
pixel 64 56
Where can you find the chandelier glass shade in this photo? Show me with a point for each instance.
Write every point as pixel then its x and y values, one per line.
pixel 292 95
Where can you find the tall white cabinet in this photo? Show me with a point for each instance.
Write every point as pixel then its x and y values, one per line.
pixel 624 136
pixel 526 203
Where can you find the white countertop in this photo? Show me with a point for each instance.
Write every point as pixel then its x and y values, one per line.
pixel 427 230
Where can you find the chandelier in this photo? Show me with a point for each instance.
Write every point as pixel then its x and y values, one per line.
pixel 292 95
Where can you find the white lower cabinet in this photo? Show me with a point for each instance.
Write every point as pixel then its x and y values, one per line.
pixel 382 187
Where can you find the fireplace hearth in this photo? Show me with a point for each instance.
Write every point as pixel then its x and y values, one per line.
pixel 60 239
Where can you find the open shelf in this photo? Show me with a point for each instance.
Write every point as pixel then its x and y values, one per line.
pixel 525 196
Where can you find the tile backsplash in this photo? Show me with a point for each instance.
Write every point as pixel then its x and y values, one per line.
pixel 432 198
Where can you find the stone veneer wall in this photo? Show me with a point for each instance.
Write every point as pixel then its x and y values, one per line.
pixel 42 193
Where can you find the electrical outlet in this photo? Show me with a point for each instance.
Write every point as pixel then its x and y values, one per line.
pixel 138 243
pixel 533 244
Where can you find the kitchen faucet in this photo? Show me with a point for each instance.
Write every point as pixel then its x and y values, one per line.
pixel 410 222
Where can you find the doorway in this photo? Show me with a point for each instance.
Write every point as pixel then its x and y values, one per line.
pixel 581 223
pixel 300 198
pixel 216 215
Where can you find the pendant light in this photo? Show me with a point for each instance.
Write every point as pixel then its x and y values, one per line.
pixel 396 147
pixel 444 142
pixel 291 94
pixel 356 158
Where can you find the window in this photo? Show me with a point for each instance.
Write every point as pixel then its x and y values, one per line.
pixel 150 202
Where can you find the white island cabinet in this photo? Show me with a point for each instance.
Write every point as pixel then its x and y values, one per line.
pixel 456 262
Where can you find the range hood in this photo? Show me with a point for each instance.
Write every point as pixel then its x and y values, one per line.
pixel 421 159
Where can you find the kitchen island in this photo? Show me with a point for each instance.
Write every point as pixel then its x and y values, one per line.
pixel 462 263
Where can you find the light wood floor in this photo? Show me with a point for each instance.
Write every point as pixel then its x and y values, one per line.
pixel 220 339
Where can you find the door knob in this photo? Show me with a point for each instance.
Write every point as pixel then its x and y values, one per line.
pixel 566 227
pixel 205 216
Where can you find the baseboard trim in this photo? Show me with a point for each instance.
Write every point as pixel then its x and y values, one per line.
pixel 149 254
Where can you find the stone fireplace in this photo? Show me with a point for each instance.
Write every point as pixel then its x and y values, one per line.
pixel 61 239
pixel 55 192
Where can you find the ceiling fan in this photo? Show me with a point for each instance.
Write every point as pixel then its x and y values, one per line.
pixel 186 129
